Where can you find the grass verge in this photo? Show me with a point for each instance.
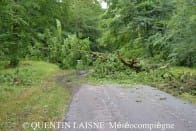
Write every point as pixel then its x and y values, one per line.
pixel 29 93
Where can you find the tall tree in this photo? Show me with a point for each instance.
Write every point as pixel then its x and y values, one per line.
pixel 135 22
pixel 13 26
pixel 85 19
pixel 23 24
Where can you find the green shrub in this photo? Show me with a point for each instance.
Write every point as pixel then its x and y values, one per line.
pixel 74 49
pixel 108 67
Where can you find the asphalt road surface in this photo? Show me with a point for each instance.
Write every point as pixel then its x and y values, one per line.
pixel 126 108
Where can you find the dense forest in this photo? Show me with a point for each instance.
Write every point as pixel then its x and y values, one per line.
pixel 130 41
pixel 64 31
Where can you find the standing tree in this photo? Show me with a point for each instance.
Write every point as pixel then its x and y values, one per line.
pixel 13 27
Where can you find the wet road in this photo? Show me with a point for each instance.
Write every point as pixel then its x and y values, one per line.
pixel 126 108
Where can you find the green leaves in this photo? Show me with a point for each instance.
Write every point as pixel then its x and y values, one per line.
pixel 182 30
pixel 74 49
pixel 47 29
pixel 163 27
pixel 37 28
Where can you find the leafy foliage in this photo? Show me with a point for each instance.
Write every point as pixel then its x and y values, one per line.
pixel 108 66
pixel 181 34
pixel 160 29
pixel 74 49
pixel 38 29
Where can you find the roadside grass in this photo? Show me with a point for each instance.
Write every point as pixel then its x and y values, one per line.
pixel 178 81
pixel 29 93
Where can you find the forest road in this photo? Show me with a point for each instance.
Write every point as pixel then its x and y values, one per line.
pixel 127 108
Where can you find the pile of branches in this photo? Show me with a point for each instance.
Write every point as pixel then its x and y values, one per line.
pixel 181 83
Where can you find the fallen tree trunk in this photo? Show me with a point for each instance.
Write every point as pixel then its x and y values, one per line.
pixel 131 63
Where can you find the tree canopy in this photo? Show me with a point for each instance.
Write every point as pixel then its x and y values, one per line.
pixel 41 29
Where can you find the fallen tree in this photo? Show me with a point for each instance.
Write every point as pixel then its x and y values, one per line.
pixel 132 63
